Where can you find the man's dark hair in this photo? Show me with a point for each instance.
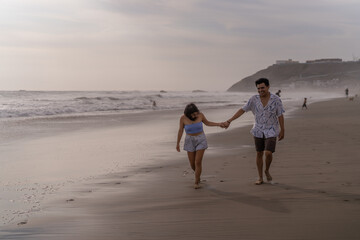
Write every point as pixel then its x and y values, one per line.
pixel 262 80
pixel 190 109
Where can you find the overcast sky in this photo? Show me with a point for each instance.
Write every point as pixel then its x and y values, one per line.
pixel 165 44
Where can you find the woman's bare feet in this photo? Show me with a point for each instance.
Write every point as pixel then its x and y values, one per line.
pixel 197 186
pixel 259 182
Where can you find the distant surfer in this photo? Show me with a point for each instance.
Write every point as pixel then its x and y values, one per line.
pixel 347 92
pixel 154 106
pixel 304 104
pixel 278 93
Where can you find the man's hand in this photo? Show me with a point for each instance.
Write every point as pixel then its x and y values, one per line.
pixel 178 147
pixel 281 135
pixel 225 124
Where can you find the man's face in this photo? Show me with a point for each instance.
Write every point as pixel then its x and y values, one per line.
pixel 263 90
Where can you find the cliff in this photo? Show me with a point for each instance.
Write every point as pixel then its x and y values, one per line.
pixel 328 75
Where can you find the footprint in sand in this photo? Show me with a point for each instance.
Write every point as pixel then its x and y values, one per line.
pixel 346 184
pixel 22 223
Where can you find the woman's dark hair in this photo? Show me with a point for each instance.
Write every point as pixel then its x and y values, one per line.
pixel 262 80
pixel 190 109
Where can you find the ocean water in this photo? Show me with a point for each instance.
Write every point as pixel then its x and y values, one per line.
pixel 20 104
pixel 15 104
pixel 50 140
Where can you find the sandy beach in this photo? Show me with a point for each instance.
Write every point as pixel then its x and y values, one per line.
pixel 315 193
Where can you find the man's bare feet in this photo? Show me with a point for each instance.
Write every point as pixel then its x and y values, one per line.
pixel 197 186
pixel 259 182
pixel 268 176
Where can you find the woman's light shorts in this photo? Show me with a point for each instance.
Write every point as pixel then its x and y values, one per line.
pixel 195 143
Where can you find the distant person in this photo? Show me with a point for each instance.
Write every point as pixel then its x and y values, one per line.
pixel 195 140
pixel 154 104
pixel 278 93
pixel 269 124
pixel 304 104
pixel 347 92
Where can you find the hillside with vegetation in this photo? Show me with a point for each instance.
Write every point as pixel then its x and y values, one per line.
pixel 314 75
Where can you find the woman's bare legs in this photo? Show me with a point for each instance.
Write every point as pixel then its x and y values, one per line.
pixel 191 156
pixel 195 159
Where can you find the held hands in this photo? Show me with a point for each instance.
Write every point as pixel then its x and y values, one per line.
pixel 222 125
pixel 225 124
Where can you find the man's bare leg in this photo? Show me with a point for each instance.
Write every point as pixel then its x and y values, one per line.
pixel 268 160
pixel 259 164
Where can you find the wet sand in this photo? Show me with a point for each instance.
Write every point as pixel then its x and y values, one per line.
pixel 314 195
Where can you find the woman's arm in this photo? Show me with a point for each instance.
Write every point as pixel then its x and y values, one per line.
pixel 180 133
pixel 207 122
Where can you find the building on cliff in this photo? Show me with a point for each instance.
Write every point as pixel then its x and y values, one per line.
pixel 325 60
pixel 289 61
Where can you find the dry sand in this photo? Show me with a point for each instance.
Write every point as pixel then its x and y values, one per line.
pixel 315 193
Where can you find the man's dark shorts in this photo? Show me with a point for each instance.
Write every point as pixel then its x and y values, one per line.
pixel 265 144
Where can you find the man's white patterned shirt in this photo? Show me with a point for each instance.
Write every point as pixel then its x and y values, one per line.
pixel 266 118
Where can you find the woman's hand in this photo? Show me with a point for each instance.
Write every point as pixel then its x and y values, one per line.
pixel 178 147
pixel 225 124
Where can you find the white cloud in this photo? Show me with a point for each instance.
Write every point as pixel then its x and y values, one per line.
pixel 129 44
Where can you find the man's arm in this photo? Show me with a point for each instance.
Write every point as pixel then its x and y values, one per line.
pixel 282 128
pixel 236 115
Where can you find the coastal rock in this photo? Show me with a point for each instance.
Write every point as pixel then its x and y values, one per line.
pixel 310 75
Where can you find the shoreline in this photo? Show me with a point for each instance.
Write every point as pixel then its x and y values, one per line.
pixel 54 154
pixel 229 205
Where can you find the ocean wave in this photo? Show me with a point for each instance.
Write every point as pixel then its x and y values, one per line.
pixel 37 104
pixel 97 98
pixel 211 102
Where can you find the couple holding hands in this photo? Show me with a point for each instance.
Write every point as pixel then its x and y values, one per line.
pixel 269 125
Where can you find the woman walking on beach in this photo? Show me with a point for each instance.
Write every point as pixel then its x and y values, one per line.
pixel 195 140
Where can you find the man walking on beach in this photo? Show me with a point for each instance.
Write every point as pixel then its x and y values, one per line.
pixel 269 124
